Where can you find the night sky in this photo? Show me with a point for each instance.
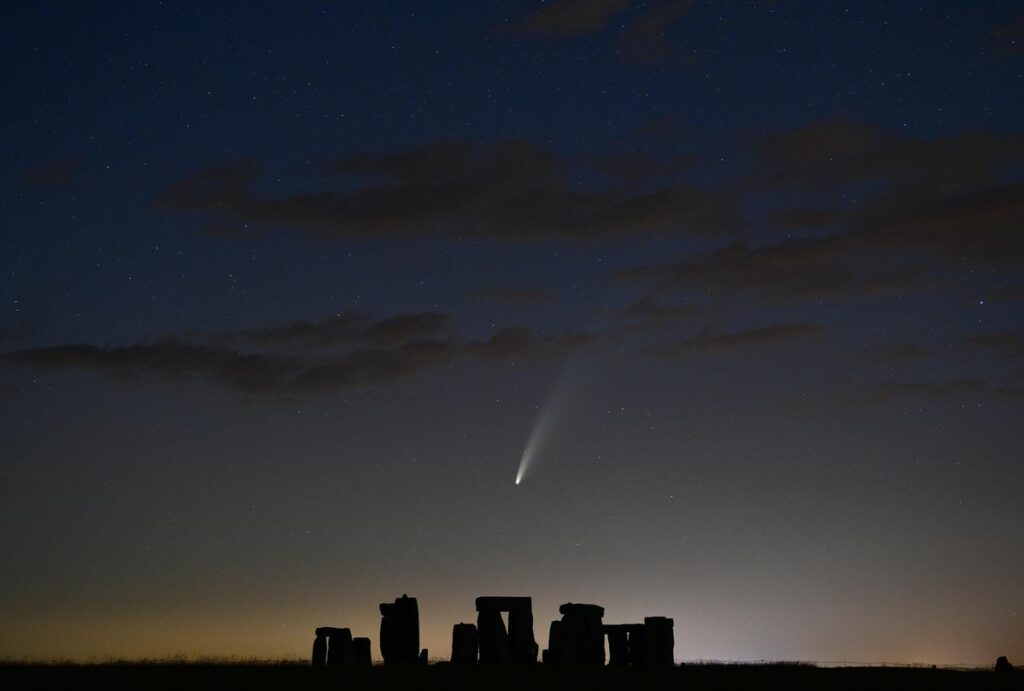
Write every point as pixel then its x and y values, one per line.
pixel 289 291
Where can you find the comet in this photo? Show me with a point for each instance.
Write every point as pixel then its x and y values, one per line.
pixel 547 417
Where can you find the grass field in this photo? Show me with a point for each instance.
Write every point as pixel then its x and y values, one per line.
pixel 255 676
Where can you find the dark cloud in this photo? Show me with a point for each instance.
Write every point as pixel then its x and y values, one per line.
pixel 512 190
pixel 834 153
pixel 372 366
pixel 636 166
pixel 1009 37
pixel 656 309
pixel 644 40
pixel 1007 343
pixel 954 387
pixel 348 327
pixel 894 352
pixel 518 342
pixel 17 330
pixel 571 17
pixel 407 327
pixel 799 218
pixel 55 173
pixel 340 328
pixel 984 224
pixel 714 339
pixel 897 278
pixel 514 296
pixel 1010 292
pixel 386 351
pixel 812 267
pixel 172 358
pixel 950 195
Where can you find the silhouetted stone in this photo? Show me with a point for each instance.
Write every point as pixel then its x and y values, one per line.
pixel 400 631
pixel 638 651
pixel 339 647
pixel 464 644
pixel 517 646
pixel 361 652
pixel 329 630
pixel 494 645
pixel 491 603
pixel 585 626
pixel 660 642
pixel 580 609
pixel 320 651
pixel 561 650
pixel 577 640
pixel 1003 665
pixel 618 644
pixel 423 658
pixel 522 645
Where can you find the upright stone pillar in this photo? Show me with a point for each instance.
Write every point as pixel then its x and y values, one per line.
pixel 638 650
pixel 464 644
pixel 517 646
pixel 522 645
pixel 320 650
pixel 618 645
pixel 400 631
pixel 584 632
pixel 660 641
pixel 339 646
pixel 361 652
pixel 558 653
pixel 494 647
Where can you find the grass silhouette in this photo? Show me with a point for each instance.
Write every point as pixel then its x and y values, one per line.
pixel 256 675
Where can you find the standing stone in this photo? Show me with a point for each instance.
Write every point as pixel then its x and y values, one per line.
pixel 1003 665
pixel 584 633
pixel 400 631
pixel 361 652
pixel 522 645
pixel 464 644
pixel 423 658
pixel 561 652
pixel 660 641
pixel 494 647
pixel 638 645
pixel 319 651
pixel 618 645
pixel 339 647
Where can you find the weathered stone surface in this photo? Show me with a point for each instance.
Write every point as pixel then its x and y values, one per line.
pixel 464 644
pixel 319 650
pixel 362 657
pixel 400 631
pixel 503 604
pixel 339 648
pixel 522 645
pixel 494 644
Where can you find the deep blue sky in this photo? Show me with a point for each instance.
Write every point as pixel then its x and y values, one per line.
pixel 286 287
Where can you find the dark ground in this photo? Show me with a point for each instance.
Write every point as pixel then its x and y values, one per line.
pixel 254 677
